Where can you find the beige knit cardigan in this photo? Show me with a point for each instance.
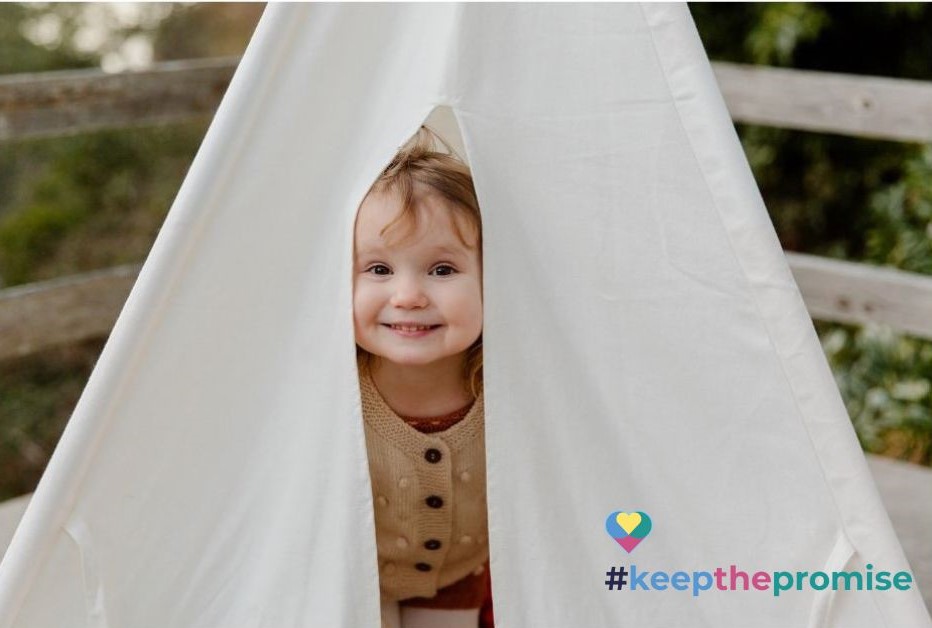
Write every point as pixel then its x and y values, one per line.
pixel 428 491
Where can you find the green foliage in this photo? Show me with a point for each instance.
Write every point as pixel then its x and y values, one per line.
pixel 62 199
pixel 780 28
pixel 884 379
pixel 901 231
pixel 19 54
pixel 91 201
pixel 880 39
pixel 31 235
pixel 37 395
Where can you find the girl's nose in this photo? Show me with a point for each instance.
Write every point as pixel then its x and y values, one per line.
pixel 408 294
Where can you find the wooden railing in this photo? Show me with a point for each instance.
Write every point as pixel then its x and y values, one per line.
pixel 41 315
pixel 863 106
pixel 76 101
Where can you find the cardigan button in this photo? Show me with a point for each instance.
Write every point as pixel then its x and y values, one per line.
pixel 478 570
pixel 382 500
pixel 432 455
pixel 465 539
pixel 434 501
pixel 403 483
pixel 464 476
pixel 432 544
pixel 422 567
pixel 401 542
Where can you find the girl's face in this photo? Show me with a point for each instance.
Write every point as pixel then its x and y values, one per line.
pixel 417 299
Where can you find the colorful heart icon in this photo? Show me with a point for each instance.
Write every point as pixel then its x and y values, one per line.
pixel 628 528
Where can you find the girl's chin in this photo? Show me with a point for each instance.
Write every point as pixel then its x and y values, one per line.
pixel 409 360
pixel 412 361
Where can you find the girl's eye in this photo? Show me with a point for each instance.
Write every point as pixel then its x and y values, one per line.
pixel 379 269
pixel 443 270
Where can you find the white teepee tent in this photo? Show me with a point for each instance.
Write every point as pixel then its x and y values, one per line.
pixel 646 348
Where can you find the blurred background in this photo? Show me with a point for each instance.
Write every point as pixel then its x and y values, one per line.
pixel 72 203
pixel 77 200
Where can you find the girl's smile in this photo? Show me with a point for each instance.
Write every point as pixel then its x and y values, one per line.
pixel 411 330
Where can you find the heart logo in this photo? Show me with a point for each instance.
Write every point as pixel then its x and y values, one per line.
pixel 628 528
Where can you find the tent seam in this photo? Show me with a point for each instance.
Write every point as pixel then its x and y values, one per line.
pixel 753 292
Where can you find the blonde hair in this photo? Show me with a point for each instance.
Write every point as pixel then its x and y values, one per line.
pixel 419 169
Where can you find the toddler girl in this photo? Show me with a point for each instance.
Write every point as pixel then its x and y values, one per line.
pixel 417 309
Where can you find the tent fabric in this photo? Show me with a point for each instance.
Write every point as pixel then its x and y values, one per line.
pixel 646 348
